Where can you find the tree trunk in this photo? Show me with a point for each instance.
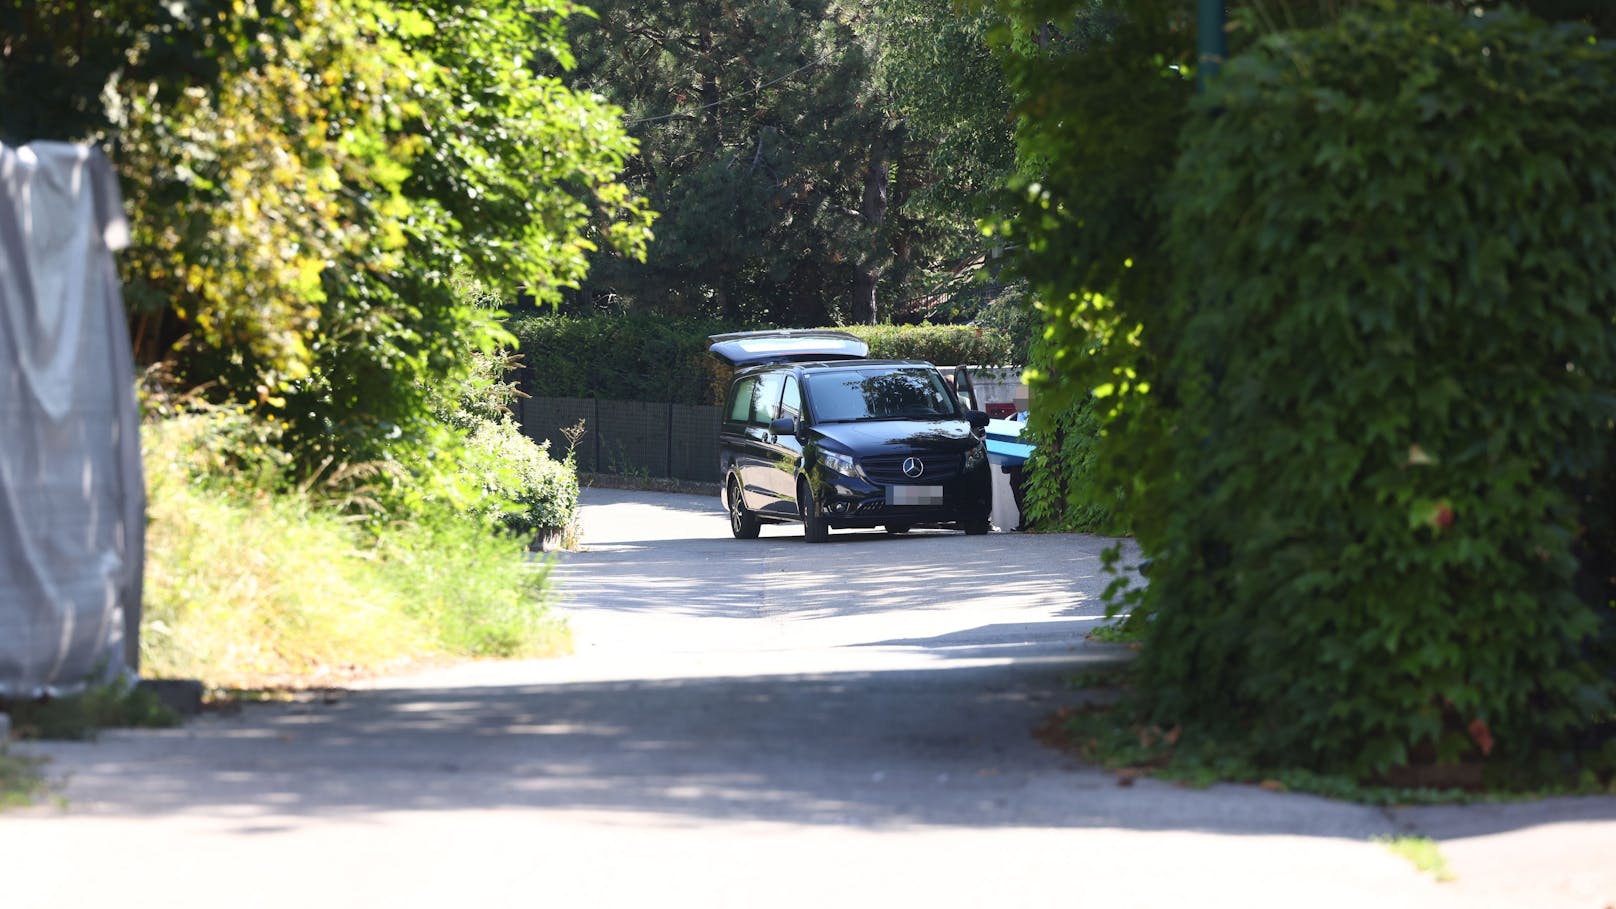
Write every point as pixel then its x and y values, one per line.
pixel 863 305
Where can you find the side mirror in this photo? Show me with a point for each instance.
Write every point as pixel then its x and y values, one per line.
pixel 979 420
pixel 787 426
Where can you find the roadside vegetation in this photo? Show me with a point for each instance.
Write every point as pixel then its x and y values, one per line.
pixel 257 575
pixel 1342 356
pixel 320 223
pixel 21 783
pixel 1422 853
pixel 81 716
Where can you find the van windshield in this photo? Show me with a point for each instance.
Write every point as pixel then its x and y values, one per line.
pixel 879 393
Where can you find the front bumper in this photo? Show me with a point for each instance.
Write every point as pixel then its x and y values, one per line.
pixel 846 501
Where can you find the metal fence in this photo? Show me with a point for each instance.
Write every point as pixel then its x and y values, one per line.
pixel 676 441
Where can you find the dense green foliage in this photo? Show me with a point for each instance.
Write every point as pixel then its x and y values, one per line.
pixel 529 492
pixel 1375 390
pixel 813 160
pixel 651 358
pixel 304 178
pixel 626 358
pixel 1062 490
pixel 1102 91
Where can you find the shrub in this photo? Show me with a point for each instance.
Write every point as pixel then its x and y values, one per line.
pixel 529 492
pixel 1389 361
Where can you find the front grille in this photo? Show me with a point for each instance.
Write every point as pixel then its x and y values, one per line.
pixel 888 469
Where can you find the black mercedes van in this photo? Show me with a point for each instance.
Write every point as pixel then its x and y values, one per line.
pixel 815 433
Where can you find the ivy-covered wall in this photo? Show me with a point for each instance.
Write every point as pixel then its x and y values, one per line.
pixel 1387 387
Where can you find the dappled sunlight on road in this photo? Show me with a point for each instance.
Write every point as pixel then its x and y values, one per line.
pixel 663 588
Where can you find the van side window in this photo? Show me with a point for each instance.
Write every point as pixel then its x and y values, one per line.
pixel 766 402
pixel 791 402
pixel 740 402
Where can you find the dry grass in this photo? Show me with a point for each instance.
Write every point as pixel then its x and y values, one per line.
pixel 247 588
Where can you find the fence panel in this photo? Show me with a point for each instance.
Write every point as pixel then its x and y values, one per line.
pixel 543 419
pixel 633 437
pixel 693 442
pixel 678 441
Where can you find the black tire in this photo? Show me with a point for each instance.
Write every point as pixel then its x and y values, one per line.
pixel 976 528
pixel 814 528
pixel 742 522
pixel 897 528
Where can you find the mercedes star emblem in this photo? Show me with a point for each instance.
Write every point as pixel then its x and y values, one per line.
pixel 912 467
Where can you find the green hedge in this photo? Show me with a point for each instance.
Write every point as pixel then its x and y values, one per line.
pixel 945 345
pixel 623 358
pixel 1390 370
pixel 652 358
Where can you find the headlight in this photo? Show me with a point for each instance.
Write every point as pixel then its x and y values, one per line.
pixel 975 457
pixel 840 463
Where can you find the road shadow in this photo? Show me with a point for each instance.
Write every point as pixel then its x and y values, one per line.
pixel 945 747
pixel 1013 640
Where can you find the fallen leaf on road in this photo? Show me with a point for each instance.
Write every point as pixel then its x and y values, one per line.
pixel 1273 786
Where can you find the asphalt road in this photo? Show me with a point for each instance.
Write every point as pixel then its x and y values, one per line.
pixel 746 723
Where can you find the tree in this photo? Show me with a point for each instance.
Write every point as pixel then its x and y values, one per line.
pixel 938 71
pixel 777 140
pixel 305 178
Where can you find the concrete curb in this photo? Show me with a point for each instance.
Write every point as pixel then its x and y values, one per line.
pixel 183 696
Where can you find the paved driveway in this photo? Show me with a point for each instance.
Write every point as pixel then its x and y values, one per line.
pixel 758 723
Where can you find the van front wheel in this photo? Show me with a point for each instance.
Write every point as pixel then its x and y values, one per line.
pixel 742 522
pixel 814 528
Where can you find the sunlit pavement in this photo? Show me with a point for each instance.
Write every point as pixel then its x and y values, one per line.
pixel 746 723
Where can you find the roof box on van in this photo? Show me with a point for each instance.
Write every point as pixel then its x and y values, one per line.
pixel 787 345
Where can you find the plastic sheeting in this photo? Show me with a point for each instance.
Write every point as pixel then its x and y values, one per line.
pixel 72 500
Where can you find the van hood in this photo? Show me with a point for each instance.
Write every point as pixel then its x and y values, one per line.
pixel 877 437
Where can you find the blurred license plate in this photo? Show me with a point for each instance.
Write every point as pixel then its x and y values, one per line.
pixel 914 495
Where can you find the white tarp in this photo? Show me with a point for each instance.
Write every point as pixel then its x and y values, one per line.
pixel 72 501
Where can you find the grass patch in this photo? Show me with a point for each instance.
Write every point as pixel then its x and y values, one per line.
pixel 21 782
pixel 1123 632
pixel 1421 852
pixel 250 588
pixel 81 716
